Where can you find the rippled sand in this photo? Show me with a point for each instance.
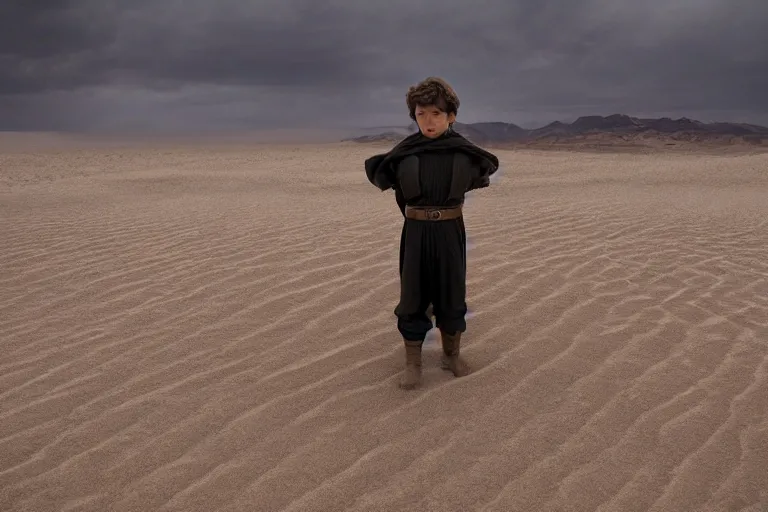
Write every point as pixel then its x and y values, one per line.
pixel 210 328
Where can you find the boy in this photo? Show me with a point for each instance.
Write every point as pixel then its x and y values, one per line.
pixel 430 172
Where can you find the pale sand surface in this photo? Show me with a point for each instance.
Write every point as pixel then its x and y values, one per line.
pixel 211 328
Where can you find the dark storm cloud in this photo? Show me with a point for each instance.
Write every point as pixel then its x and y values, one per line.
pixel 238 64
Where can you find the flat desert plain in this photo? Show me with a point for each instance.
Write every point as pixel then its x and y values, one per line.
pixel 209 327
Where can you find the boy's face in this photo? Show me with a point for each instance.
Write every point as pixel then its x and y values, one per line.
pixel 432 121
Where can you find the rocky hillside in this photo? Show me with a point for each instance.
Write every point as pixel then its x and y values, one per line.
pixel 617 129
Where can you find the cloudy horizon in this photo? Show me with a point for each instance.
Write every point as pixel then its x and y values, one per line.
pixel 115 65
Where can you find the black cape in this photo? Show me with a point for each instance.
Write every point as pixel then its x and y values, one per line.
pixel 380 168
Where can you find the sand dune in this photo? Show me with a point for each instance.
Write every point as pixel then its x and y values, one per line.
pixel 210 328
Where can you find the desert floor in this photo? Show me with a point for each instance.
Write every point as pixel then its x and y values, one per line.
pixel 210 327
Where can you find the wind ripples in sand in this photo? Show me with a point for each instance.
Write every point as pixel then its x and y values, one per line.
pixel 194 330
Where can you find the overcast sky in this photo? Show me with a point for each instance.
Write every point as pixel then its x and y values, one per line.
pixel 237 64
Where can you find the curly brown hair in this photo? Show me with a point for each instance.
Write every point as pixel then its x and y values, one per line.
pixel 432 91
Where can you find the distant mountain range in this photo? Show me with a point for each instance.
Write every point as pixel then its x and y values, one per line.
pixel 613 130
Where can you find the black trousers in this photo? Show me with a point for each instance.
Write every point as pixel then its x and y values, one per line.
pixel 433 270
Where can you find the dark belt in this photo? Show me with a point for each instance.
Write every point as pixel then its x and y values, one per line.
pixel 432 213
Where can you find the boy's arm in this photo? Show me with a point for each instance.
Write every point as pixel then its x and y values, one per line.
pixel 379 172
pixel 382 175
pixel 481 174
